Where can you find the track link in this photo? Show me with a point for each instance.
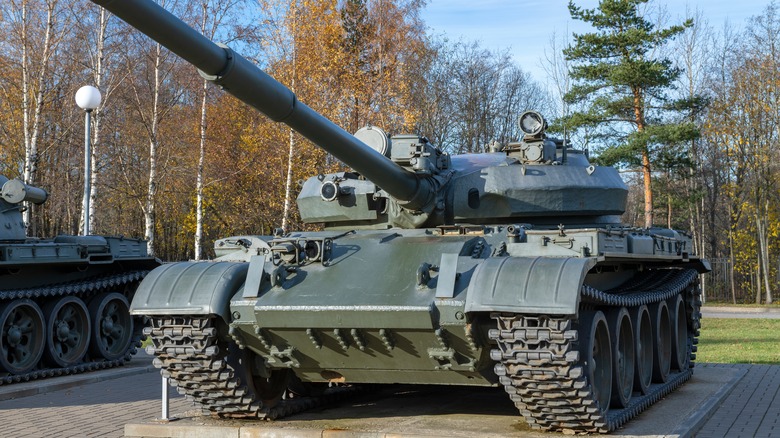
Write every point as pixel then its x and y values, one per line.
pixel 539 363
pixel 82 289
pixel 204 369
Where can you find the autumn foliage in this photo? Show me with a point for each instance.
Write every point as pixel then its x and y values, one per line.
pixel 364 62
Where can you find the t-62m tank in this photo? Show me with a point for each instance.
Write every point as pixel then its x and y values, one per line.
pixel 508 269
pixel 64 302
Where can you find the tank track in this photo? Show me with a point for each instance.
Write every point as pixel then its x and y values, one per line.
pixel 77 288
pixel 189 352
pixel 539 364
pixel 81 289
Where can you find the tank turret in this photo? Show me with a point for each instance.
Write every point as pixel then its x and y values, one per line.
pixel 508 269
pixel 12 194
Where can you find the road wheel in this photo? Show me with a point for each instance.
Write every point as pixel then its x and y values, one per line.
pixel 21 336
pixel 662 344
pixel 623 357
pixel 643 335
pixel 112 326
pixel 597 352
pixel 67 331
pixel 681 356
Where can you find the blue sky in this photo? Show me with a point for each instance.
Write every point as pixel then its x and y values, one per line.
pixel 525 26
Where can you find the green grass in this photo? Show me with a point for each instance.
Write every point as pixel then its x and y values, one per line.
pixel 739 341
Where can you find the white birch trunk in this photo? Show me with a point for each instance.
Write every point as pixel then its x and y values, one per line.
pixel 732 258
pixel 28 158
pixel 97 116
pixel 288 182
pixel 149 209
pixel 202 154
pixel 291 149
pixel 31 130
pixel 199 182
pixel 763 240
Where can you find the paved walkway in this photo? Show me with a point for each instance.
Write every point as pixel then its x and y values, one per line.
pixel 752 409
pixel 102 407
pixel 740 312
pixel 96 404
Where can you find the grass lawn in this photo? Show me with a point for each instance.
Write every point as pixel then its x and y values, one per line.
pixel 739 341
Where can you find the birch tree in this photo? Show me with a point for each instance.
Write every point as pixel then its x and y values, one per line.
pixel 39 29
pixel 155 93
pixel 556 66
pixel 97 68
pixel 693 45
pixel 213 15
pixel 288 182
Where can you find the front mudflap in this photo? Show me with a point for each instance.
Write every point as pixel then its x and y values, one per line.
pixel 541 285
pixel 189 288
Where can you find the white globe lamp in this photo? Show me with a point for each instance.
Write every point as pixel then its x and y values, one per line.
pixel 88 98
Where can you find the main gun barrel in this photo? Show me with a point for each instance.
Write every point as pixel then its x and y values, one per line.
pixel 253 86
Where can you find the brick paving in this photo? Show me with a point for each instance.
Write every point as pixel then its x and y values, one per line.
pixel 102 408
pixel 98 409
pixel 751 409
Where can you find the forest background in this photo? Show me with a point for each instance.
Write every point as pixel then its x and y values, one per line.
pixel 180 163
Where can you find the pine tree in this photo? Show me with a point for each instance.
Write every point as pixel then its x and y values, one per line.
pixel 623 87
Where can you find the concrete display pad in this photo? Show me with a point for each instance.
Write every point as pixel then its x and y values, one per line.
pixel 425 411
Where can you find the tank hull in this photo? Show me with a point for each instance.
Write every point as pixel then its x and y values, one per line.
pixel 64 304
pixel 450 305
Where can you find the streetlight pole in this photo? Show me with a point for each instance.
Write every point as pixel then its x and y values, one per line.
pixel 87 170
pixel 87 98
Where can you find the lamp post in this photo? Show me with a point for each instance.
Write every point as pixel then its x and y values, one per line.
pixel 87 98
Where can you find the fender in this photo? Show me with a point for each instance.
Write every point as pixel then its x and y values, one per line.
pixel 542 285
pixel 189 288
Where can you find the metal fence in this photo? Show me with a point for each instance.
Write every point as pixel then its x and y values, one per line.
pixel 716 286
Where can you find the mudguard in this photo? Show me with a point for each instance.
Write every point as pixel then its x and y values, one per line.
pixel 189 288
pixel 545 285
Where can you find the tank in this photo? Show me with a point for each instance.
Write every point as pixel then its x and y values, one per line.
pixel 64 302
pixel 508 269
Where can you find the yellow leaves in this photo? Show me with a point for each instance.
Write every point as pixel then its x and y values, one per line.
pixel 246 157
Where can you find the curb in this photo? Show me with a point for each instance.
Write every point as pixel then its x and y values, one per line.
pixel 703 413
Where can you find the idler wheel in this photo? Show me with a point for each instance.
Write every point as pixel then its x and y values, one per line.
pixel 679 318
pixel 623 356
pixel 643 335
pixel 662 345
pixel 67 331
pixel 21 336
pixel 112 326
pixel 597 352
